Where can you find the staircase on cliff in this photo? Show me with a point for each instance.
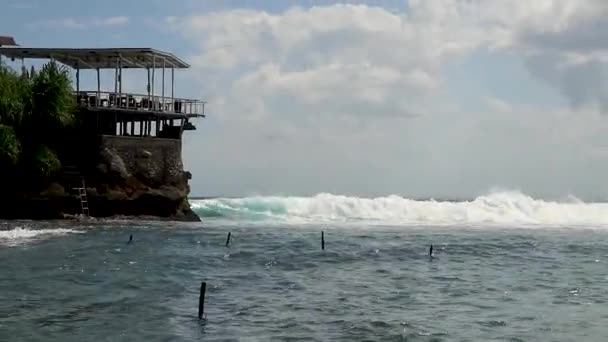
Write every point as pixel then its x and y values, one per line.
pixel 72 174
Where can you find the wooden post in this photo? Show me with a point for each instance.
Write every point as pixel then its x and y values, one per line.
pixel 153 82
pixel 120 77
pixel 163 91
pixel 149 98
pixel 172 89
pixel 322 240
pixel 98 89
pixel 201 300
pixel 228 239
pixel 77 79
pixel 116 81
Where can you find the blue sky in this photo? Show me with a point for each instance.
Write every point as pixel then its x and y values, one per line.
pixel 427 98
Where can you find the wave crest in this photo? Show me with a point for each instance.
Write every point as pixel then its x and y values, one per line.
pixel 18 235
pixel 504 207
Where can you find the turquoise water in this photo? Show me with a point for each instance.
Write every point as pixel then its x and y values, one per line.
pixel 374 282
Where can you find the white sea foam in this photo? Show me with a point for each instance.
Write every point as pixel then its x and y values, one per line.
pixel 505 208
pixel 18 235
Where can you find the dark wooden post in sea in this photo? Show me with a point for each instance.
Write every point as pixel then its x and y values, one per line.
pixel 201 300
pixel 228 239
pixel 322 240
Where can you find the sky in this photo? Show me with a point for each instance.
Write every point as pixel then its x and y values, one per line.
pixel 420 98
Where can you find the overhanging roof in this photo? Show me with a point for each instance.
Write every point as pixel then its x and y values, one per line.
pixel 7 41
pixel 105 58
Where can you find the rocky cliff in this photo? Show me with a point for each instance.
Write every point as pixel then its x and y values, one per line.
pixel 126 177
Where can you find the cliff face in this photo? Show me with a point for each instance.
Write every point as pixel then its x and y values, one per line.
pixel 139 177
pixel 129 176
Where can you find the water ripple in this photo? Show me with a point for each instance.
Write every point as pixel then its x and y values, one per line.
pixel 276 284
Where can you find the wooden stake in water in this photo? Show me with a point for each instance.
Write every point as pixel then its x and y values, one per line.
pixel 322 240
pixel 201 301
pixel 228 239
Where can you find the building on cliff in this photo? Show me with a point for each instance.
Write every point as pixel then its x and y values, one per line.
pixel 126 153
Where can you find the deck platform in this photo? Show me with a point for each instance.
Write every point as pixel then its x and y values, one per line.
pixel 114 111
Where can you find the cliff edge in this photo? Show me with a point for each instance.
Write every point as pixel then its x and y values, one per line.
pixel 131 177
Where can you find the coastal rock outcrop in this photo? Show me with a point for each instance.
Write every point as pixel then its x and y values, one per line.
pixel 130 178
pixel 140 177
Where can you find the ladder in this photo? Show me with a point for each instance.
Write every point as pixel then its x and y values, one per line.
pixel 84 203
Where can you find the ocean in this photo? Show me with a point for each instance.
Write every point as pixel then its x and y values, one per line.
pixel 506 267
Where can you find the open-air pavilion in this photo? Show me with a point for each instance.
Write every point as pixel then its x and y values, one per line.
pixel 157 113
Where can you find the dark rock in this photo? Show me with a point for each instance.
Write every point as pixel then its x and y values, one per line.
pixel 114 162
pixel 102 169
pixel 134 178
pixel 54 190
pixel 92 192
pixel 145 154
pixel 115 195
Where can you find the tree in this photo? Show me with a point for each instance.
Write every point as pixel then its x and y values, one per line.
pixel 35 111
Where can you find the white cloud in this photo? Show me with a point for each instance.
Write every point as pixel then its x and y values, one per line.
pixel 84 22
pixel 356 99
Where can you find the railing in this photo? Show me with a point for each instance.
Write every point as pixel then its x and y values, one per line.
pixel 140 102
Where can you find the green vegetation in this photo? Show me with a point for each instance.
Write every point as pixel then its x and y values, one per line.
pixel 36 111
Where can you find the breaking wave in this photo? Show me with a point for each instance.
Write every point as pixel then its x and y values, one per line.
pixel 18 235
pixel 507 207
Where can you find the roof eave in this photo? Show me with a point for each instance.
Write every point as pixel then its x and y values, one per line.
pixel 103 58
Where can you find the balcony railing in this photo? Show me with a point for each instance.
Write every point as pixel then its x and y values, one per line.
pixel 140 102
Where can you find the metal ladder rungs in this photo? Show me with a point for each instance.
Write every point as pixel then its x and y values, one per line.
pixel 84 202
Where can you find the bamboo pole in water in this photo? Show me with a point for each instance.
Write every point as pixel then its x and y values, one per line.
pixel 201 301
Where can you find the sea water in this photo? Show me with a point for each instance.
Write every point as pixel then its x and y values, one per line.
pixel 506 267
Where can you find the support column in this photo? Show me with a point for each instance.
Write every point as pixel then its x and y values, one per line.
pixel 116 78
pixel 120 80
pixel 153 81
pixel 163 91
pixel 98 88
pixel 148 87
pixel 172 89
pixel 77 79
